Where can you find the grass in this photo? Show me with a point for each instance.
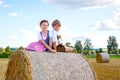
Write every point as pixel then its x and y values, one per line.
pixel 111 56
pixel 5 54
pixel 115 56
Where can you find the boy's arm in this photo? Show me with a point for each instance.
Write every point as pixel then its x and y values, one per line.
pixel 54 45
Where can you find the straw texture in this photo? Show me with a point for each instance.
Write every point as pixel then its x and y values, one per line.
pixel 19 67
pixel 102 58
pixel 60 66
pixel 48 66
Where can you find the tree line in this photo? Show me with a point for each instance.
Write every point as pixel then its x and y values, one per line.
pixel 6 52
pixel 86 48
pixel 8 49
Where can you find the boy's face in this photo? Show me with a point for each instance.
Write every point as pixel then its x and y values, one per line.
pixel 56 27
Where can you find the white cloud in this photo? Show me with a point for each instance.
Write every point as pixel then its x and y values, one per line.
pixel 12 37
pixel 3 4
pixel 37 28
pixel 89 4
pixel 86 8
pixel 6 5
pixel 26 17
pixel 29 35
pixel 66 35
pixel 23 39
pixel 13 40
pixel 109 24
pixel 96 41
pixel 15 14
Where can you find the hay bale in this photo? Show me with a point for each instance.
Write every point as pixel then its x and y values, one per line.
pixel 19 67
pixel 102 58
pixel 59 66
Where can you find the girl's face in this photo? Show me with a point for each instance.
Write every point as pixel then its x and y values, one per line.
pixel 44 26
pixel 56 27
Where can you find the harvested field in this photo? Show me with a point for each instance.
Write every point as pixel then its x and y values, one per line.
pixel 3 67
pixel 106 71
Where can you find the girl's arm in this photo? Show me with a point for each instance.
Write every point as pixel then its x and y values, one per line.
pixel 50 42
pixel 48 47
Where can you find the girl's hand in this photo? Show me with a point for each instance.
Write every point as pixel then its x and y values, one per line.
pixel 53 51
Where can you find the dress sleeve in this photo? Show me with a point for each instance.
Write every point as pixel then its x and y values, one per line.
pixel 39 36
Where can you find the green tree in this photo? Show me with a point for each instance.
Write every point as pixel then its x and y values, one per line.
pixel 7 49
pixel 78 46
pixel 1 49
pixel 68 44
pixel 112 46
pixel 21 48
pixel 119 51
pixel 100 50
pixel 87 47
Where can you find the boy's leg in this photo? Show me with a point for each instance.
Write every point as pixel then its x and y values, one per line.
pixel 68 49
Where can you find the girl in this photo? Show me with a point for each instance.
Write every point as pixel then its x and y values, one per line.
pixel 56 36
pixel 43 37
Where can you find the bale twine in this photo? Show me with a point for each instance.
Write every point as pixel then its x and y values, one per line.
pixel 19 67
pixel 102 58
pixel 60 66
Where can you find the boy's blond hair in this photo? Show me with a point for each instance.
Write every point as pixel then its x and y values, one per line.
pixel 56 22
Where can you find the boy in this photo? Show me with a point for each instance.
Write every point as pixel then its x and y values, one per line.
pixel 55 37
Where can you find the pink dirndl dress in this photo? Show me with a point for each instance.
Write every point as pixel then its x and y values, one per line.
pixel 38 46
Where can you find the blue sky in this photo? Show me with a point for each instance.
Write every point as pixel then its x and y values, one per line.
pixel 81 19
